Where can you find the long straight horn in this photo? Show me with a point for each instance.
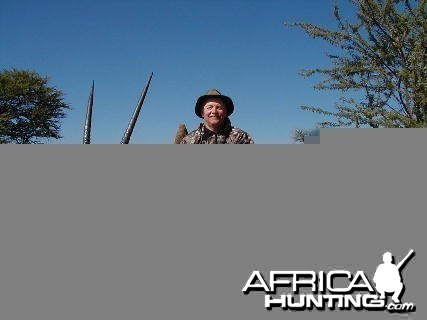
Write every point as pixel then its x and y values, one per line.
pixel 132 122
pixel 88 122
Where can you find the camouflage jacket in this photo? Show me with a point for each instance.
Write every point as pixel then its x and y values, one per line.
pixel 227 135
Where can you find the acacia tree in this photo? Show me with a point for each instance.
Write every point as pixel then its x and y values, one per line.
pixel 30 110
pixel 382 58
pixel 302 135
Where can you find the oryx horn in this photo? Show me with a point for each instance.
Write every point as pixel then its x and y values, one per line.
pixel 131 126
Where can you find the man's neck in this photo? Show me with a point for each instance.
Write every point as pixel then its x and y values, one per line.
pixel 216 130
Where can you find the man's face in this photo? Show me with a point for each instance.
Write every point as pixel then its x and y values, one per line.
pixel 214 113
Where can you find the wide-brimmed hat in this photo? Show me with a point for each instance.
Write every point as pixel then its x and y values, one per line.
pixel 213 93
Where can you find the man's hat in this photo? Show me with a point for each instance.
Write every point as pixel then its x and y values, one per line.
pixel 213 93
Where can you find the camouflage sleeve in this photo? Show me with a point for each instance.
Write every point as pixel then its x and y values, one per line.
pixel 241 137
pixel 246 139
pixel 190 138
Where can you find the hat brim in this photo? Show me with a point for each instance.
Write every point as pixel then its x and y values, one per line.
pixel 229 105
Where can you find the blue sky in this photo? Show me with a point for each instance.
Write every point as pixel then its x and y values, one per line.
pixel 240 47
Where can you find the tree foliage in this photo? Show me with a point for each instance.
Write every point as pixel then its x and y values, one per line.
pixel 382 59
pixel 30 110
pixel 302 135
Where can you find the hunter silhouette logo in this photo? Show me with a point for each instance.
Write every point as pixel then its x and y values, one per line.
pixel 387 277
pixel 324 291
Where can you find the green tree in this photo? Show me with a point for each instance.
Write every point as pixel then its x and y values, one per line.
pixel 302 135
pixel 30 110
pixel 380 68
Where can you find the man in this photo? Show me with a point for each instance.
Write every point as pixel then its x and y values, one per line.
pixel 215 109
pixel 387 278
